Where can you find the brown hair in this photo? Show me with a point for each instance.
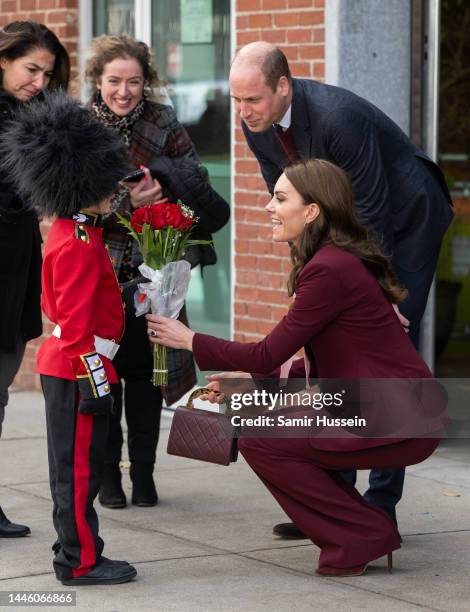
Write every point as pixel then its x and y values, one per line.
pixel 327 185
pixel 275 66
pixel 108 48
pixel 19 38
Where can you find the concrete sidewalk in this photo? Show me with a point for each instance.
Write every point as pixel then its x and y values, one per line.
pixel 208 546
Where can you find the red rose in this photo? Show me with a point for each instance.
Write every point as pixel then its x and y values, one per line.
pixel 172 215
pixel 159 216
pixel 140 217
pixel 158 220
pixel 185 224
pixel 176 218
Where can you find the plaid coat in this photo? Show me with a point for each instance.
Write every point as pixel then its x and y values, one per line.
pixel 156 132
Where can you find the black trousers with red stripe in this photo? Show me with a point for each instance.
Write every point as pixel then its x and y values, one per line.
pixel 76 444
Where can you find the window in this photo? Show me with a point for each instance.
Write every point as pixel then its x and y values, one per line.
pixel 191 45
pixel 113 17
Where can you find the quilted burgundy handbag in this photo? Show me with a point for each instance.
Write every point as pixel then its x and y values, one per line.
pixel 201 434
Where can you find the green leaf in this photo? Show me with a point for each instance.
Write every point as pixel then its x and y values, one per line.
pixel 127 224
pixel 194 242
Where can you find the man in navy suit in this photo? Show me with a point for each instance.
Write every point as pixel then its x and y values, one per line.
pixel 400 194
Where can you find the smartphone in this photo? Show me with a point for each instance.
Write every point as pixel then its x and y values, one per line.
pixel 134 177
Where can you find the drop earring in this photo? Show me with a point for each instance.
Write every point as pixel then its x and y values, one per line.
pixel 146 90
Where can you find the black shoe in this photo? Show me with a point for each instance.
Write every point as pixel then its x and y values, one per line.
pixel 144 493
pixel 113 561
pixel 111 494
pixel 289 531
pixel 11 530
pixel 104 572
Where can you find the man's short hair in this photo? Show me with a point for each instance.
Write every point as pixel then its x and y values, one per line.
pixel 275 66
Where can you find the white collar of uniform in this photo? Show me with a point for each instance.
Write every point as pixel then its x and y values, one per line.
pixel 286 120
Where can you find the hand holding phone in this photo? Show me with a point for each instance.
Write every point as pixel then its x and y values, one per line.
pixel 146 190
pixel 134 177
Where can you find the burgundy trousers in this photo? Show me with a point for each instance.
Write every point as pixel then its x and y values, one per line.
pixel 304 480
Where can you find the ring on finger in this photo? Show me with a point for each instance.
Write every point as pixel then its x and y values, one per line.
pixel 153 333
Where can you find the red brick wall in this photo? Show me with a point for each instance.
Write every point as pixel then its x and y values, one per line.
pixel 61 16
pixel 261 266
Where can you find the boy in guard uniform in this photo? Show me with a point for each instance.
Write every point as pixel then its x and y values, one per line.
pixel 68 165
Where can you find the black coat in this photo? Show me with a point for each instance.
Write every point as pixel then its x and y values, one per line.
pixel 182 179
pixel 398 190
pixel 20 261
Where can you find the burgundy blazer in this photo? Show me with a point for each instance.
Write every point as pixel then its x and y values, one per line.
pixel 342 317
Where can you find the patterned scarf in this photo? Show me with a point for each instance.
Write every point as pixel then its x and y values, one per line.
pixel 123 125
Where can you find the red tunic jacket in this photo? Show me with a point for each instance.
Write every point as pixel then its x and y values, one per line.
pixel 80 293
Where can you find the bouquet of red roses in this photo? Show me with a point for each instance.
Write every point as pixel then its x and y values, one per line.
pixel 162 232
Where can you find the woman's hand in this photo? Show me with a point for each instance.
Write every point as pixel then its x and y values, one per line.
pixel 146 191
pixel 169 332
pixel 228 383
pixel 223 384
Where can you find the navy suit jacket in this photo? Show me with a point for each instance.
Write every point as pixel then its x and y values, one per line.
pixel 399 192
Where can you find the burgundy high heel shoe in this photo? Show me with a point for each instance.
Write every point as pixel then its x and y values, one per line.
pixel 357 570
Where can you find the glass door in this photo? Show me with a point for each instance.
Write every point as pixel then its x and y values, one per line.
pixel 453 275
pixel 190 40
pixel 191 43
pixel 113 17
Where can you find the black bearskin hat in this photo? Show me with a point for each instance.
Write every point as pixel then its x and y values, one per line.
pixel 58 157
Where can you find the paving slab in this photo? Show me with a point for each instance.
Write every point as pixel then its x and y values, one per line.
pixel 24 460
pixel 223 507
pixel 222 584
pixel 32 555
pixel 428 505
pixel 431 571
pixel 208 544
pixel 24 416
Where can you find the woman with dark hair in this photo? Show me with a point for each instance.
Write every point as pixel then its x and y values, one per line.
pixel 122 76
pixel 31 60
pixel 342 315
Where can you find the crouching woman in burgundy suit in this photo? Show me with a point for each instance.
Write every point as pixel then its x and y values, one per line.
pixel 343 315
